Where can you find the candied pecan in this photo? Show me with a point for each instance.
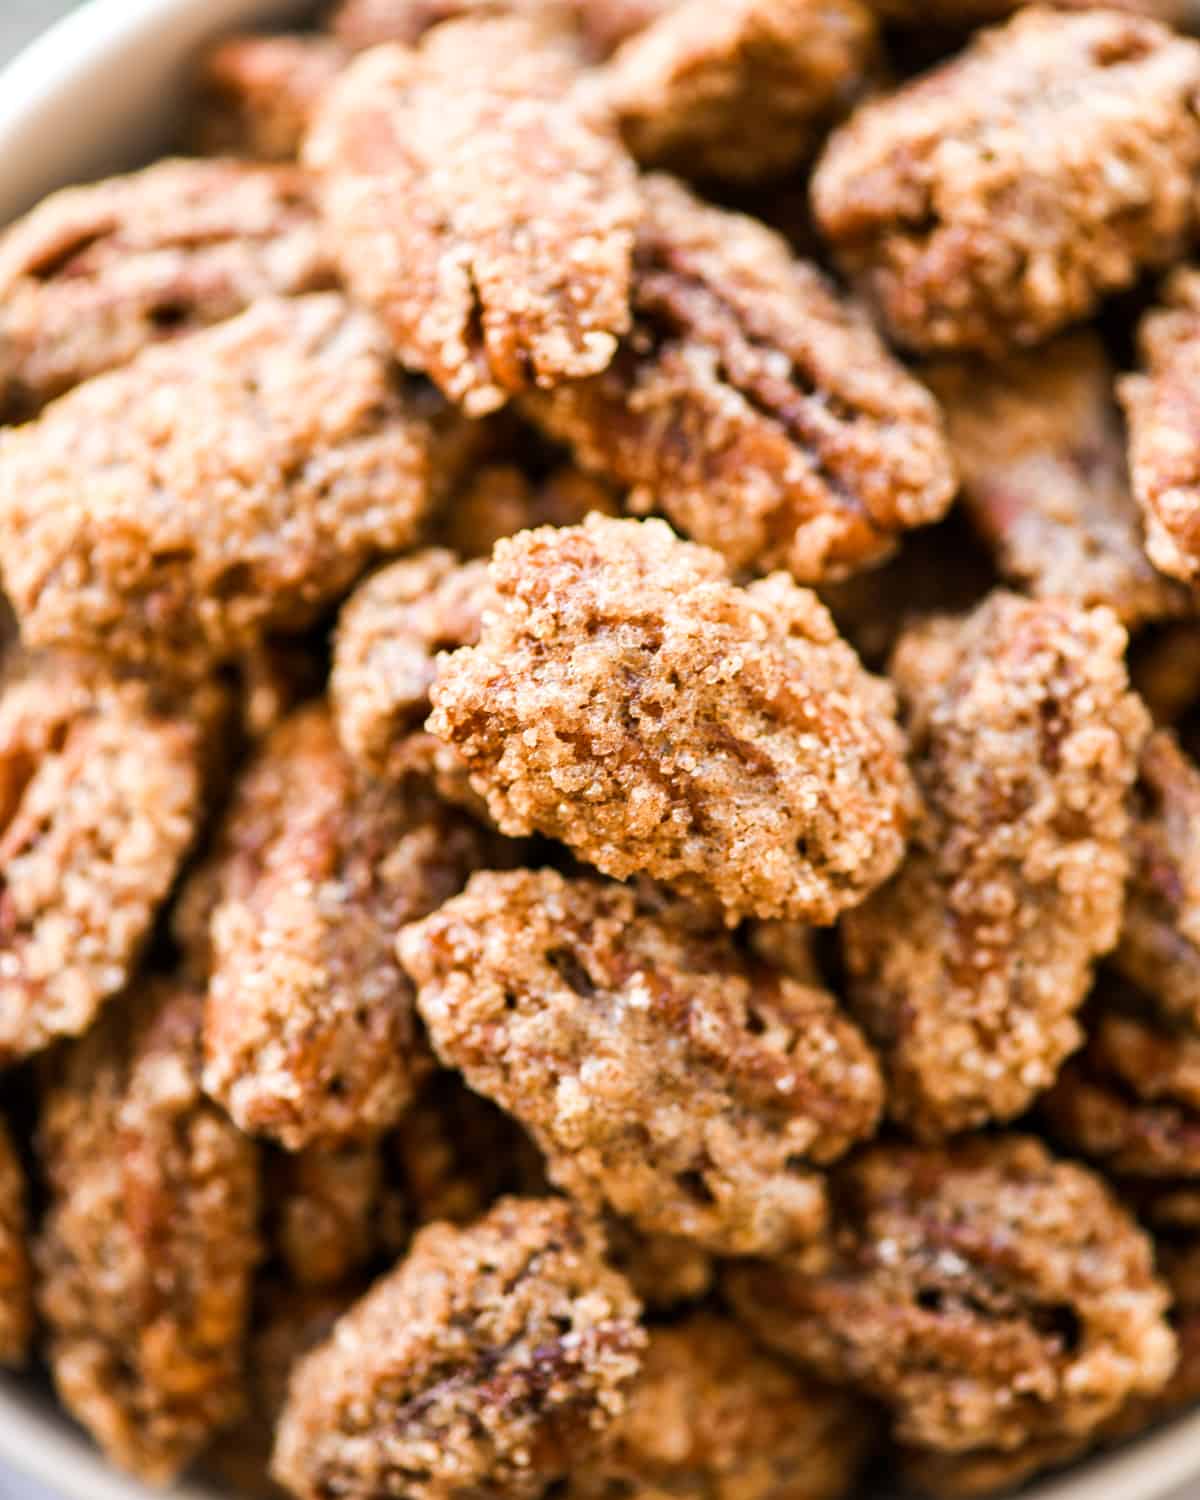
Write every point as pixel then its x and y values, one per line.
pixel 16 1275
pixel 499 500
pixel 101 791
pixel 1159 948
pixel 741 91
pixel 988 1294
pixel 658 1070
pixel 389 634
pixel 1040 449
pixel 1001 196
pixel 1161 406
pixel 664 1270
pixel 477 208
pixel 711 1416
pixel 310 1035
pixel 756 409
pixel 219 488
pixel 969 966
pixel 491 1361
pixel 323 1205
pixel 147 1251
pixel 96 274
pixel 628 699
pixel 255 96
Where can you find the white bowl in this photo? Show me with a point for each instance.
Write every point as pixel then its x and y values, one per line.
pixel 101 91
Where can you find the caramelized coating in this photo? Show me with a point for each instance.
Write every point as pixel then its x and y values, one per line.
pixel 94 275
pixel 16 1273
pixel 1159 950
pixel 988 1294
pixel 148 1248
pixel 741 91
pixel 658 1070
pixel 756 409
pixel 323 1205
pixel 1001 196
pixel 101 791
pixel 628 699
pixel 256 95
pixel 476 208
pixel 1130 1100
pixel 969 967
pixel 712 1417
pixel 1040 449
pixel 384 663
pixel 499 500
pixel 491 1361
pixel 310 1036
pixel 220 488
pixel 1161 406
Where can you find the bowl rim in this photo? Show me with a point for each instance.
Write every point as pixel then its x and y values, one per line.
pixel 76 53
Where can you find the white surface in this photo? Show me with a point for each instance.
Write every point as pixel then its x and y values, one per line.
pixel 96 91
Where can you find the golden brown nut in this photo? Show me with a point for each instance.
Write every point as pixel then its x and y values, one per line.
pixel 477 210
pixel 657 1069
pixel 149 1243
pixel 751 405
pixel 102 787
pixel 94 275
pixel 255 96
pixel 990 1295
pixel 626 698
pixel 1003 195
pixel 1040 449
pixel 16 1274
pixel 714 1418
pixel 384 663
pixel 219 488
pixel 323 1206
pixel 310 1035
pixel 1159 950
pixel 740 91
pixel 491 1361
pixel 1160 404
pixel 499 500
pixel 968 967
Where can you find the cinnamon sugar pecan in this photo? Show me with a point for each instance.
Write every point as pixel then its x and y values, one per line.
pixel 492 1360
pixel 477 209
pixel 220 488
pixel 968 967
pixel 758 410
pixel 628 699
pixel 310 1035
pixel 94 275
pixel 256 95
pixel 1040 449
pixel 988 1294
pixel 742 91
pixel 147 1251
pixel 1001 196
pixel 658 1070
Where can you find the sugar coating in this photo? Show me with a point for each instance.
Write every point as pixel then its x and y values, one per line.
pixel 988 1294
pixel 94 275
pixel 713 1417
pixel 659 1071
pixel 476 209
pixel 147 1251
pixel 626 698
pixel 1001 196
pixel 102 785
pixel 492 1360
pixel 501 499
pixel 742 91
pixel 1040 449
pixel 753 406
pixel 970 966
pixel 218 488
pixel 16 1271
pixel 255 96
pixel 1160 404
pixel 310 1034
